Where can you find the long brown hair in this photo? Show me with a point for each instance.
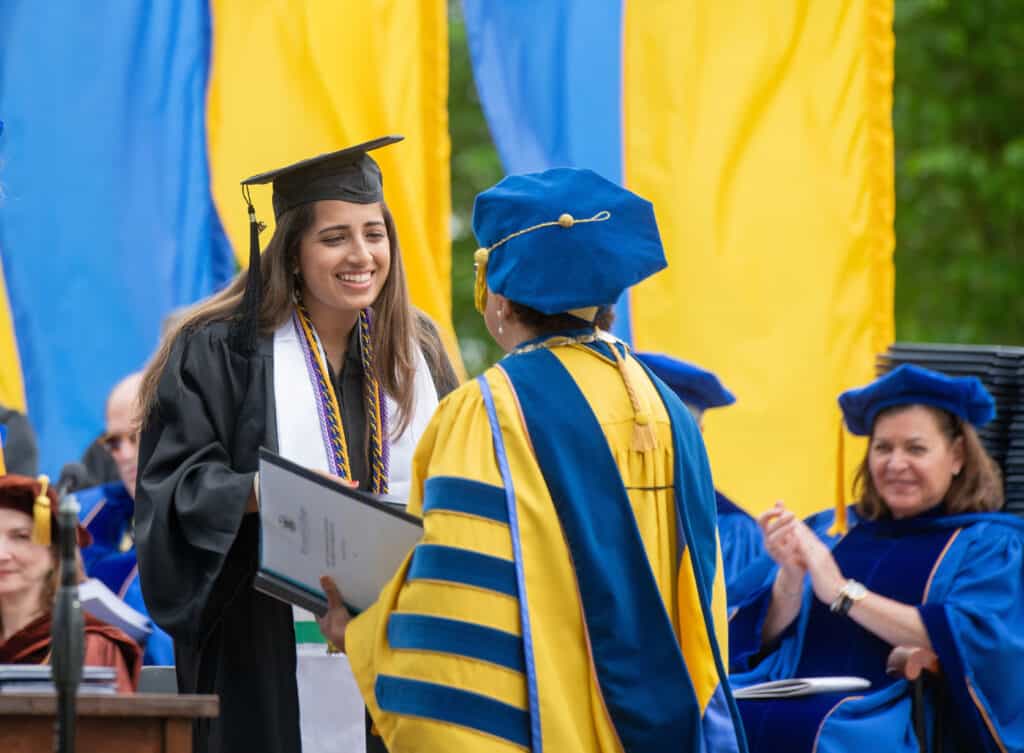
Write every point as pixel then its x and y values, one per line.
pixel 544 324
pixel 977 488
pixel 395 332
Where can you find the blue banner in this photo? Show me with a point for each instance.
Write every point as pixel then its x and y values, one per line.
pixel 106 218
pixel 549 75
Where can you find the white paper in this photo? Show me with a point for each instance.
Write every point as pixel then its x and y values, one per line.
pixel 312 527
pixel 103 604
pixel 331 708
pixel 800 686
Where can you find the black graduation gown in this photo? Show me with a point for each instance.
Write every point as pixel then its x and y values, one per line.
pixel 198 550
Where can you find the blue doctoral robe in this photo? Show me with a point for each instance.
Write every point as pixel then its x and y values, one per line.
pixel 741 543
pixel 965 574
pixel 106 512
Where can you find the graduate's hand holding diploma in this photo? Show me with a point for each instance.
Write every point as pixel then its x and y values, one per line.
pixel 337 617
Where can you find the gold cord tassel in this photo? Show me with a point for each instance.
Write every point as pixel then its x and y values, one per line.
pixel 41 515
pixel 480 280
pixel 644 437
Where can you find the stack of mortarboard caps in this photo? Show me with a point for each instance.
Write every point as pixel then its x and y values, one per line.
pixel 1001 369
pixel 1013 468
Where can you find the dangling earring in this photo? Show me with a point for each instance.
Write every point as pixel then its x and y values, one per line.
pixel 501 328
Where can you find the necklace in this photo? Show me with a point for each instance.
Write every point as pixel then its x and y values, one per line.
pixel 557 341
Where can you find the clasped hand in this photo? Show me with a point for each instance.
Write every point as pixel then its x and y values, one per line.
pixel 797 550
pixel 337 616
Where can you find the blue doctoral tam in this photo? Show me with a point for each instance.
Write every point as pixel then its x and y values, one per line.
pixel 965 397
pixel 694 385
pixel 565 239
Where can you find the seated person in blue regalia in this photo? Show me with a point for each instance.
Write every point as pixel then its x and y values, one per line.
pixel 107 512
pixel 927 562
pixel 700 390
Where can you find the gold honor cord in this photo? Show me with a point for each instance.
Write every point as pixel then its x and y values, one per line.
pixel 373 401
pixel 325 389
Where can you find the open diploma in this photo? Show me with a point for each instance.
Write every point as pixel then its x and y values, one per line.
pixel 312 526
pixel 800 686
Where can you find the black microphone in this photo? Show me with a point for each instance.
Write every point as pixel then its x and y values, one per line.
pixel 68 629
pixel 73 476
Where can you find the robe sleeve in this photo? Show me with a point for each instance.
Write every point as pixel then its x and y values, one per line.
pixel 101 651
pixel 977 630
pixel 191 500
pixel 751 595
pixel 20 452
pixel 741 545
pixel 746 624
pixel 456 447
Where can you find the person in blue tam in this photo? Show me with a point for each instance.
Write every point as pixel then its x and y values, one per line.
pixel 107 511
pixel 564 596
pixel 928 563
pixel 701 390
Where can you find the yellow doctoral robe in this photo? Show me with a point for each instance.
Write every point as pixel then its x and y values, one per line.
pixel 441 658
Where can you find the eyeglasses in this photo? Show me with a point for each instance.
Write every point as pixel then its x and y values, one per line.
pixel 112 442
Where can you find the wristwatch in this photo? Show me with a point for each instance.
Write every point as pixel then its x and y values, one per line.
pixel 849 594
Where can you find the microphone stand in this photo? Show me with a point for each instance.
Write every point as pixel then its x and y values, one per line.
pixel 68 628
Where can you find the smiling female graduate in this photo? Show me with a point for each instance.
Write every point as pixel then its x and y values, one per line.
pixel 567 594
pixel 316 353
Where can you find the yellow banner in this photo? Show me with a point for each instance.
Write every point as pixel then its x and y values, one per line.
pixel 12 387
pixel 294 78
pixel 762 132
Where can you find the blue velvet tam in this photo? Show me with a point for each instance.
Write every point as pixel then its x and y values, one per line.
pixel 694 385
pixel 965 397
pixel 565 239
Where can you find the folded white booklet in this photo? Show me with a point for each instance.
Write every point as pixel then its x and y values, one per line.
pixel 37 678
pixel 312 525
pixel 799 686
pixel 103 604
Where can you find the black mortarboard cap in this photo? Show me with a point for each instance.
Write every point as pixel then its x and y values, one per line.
pixel 348 174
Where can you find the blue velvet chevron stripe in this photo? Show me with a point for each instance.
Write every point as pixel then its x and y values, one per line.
pixel 638 662
pixel 463 567
pixel 453 494
pixel 420 632
pixel 429 700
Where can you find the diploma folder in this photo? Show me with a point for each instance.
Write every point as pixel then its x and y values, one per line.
pixel 800 686
pixel 311 525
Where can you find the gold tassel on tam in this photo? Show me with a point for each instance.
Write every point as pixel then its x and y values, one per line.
pixel 839 527
pixel 480 279
pixel 643 429
pixel 41 515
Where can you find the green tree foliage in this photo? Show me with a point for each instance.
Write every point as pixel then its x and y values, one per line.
pixel 959 125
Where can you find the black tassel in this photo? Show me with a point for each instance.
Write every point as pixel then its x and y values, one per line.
pixel 245 332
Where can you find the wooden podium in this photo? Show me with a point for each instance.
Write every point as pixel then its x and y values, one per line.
pixel 140 723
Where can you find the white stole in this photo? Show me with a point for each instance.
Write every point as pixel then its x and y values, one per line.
pixel 330 706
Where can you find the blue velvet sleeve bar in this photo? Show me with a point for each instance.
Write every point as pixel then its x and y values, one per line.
pixel 974 616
